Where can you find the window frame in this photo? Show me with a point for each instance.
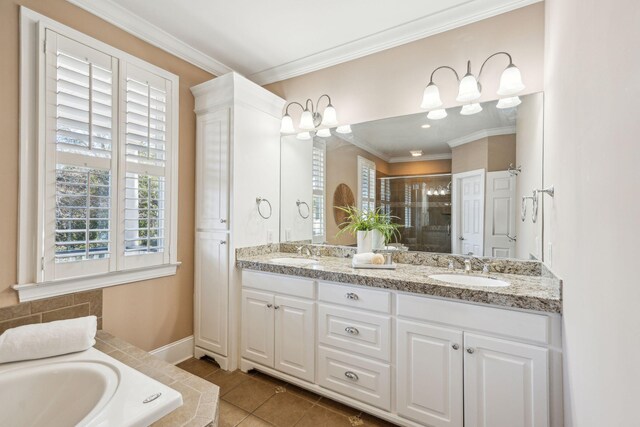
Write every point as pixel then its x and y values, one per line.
pixel 32 283
pixel 319 193
pixel 363 162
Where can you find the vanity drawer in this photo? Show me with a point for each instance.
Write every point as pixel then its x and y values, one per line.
pixel 353 296
pixel 279 283
pixel 509 323
pixel 354 376
pixel 354 330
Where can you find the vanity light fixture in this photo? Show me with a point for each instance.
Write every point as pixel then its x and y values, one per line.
pixel 304 136
pixel 310 118
pixel 416 153
pixel 510 102
pixel 437 114
pixel 344 129
pixel 324 133
pixel 470 109
pixel 470 89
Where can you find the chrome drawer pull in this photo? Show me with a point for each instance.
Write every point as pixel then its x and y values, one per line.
pixel 352 296
pixel 351 375
pixel 351 330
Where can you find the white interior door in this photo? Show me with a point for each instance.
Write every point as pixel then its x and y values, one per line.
pixel 500 223
pixel 211 291
pixel 257 327
pixel 429 380
pixel 505 383
pixel 468 213
pixel 295 337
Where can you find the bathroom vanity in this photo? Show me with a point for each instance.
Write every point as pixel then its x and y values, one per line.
pixel 403 346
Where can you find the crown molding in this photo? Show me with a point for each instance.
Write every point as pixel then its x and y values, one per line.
pixel 351 139
pixel 150 33
pixel 466 12
pixel 485 133
pixel 423 158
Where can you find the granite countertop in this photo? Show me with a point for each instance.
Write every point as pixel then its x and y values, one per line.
pixel 540 293
pixel 200 397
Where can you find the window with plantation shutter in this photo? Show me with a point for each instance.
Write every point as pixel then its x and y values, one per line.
pixel 98 164
pixel 366 184
pixel 318 188
pixel 147 100
pixel 80 159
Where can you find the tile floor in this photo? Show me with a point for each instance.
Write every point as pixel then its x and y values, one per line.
pixel 256 400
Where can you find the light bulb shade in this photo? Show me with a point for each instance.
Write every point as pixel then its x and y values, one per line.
pixel 431 98
pixel 510 81
pixel 470 109
pixel 468 89
pixel 324 133
pixel 304 136
pixel 437 114
pixel 306 121
pixel 287 125
pixel 343 129
pixel 329 118
pixel 511 102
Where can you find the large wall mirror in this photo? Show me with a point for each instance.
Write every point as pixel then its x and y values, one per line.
pixel 462 184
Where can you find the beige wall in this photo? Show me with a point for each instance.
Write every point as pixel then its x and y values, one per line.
pixel 148 314
pixel 493 153
pixel 390 83
pixel 419 168
pixel 591 155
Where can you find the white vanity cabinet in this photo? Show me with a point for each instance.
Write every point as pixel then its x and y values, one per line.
pixel 237 161
pixel 278 329
pixel 413 360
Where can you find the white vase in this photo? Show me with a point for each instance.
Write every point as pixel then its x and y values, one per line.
pixel 377 240
pixel 365 241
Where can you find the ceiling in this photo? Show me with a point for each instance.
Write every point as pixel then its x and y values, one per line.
pixel 391 139
pixel 268 41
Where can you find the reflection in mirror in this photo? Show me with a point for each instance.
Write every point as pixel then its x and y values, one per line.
pixel 454 185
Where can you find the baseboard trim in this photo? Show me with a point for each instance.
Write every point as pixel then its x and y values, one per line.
pixel 175 352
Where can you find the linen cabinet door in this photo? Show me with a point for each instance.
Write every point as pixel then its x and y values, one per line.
pixel 257 327
pixel 429 374
pixel 212 170
pixel 505 383
pixel 295 337
pixel 211 292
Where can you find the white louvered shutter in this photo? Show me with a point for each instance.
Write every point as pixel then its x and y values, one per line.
pixel 366 184
pixel 146 151
pixel 318 187
pixel 79 159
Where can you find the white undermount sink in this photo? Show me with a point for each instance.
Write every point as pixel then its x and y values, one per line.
pixel 470 280
pixel 295 261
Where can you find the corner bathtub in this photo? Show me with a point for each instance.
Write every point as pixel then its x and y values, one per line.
pixel 87 388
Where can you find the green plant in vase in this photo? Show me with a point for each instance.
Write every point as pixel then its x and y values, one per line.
pixel 373 228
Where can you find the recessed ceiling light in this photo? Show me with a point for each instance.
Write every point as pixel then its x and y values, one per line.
pixel 425 126
pixel 343 129
pixel 416 153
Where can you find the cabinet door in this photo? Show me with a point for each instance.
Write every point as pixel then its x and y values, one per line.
pixel 211 292
pixel 505 383
pixel 212 171
pixel 295 337
pixel 257 326
pixel 429 374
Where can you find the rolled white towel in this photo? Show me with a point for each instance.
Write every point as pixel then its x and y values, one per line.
pixel 368 258
pixel 42 340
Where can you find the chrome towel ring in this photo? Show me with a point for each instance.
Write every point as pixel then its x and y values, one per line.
pixel 259 201
pixel 298 204
pixel 523 207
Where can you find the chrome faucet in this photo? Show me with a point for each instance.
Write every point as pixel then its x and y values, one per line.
pixel 306 249
pixel 467 265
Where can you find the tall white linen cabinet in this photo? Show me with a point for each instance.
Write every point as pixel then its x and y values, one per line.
pixel 237 163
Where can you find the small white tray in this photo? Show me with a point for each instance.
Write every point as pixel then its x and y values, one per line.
pixel 375 266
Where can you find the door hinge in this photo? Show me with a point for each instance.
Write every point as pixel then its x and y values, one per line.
pixel 44 46
pixel 42 264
